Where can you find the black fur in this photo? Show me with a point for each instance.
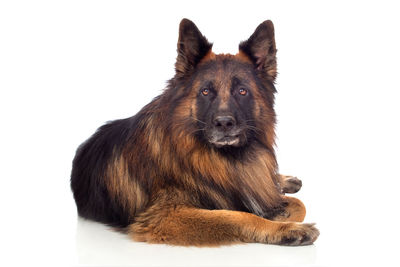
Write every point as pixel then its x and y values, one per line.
pixel 94 156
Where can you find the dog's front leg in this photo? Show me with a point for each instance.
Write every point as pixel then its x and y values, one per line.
pixel 189 226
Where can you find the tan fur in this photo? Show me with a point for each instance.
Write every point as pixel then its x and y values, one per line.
pixel 185 225
pixel 209 56
pixel 242 57
pixel 172 217
pixel 126 192
pixel 165 177
pixel 294 212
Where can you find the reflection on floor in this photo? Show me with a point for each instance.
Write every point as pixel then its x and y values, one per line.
pixel 96 244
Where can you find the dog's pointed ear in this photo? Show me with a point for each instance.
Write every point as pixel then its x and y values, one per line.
pixel 192 47
pixel 261 49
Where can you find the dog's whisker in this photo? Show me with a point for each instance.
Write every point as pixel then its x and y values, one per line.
pixel 197 130
pixel 199 120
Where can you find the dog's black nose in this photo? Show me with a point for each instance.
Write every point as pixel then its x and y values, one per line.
pixel 224 123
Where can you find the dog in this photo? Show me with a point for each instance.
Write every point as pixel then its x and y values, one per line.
pixel 196 166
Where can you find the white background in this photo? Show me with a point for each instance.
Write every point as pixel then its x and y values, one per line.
pixel 66 67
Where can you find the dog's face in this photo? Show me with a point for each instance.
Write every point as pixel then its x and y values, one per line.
pixel 225 101
pixel 228 97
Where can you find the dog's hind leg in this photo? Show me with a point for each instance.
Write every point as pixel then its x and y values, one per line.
pixel 295 211
pixel 188 226
pixel 289 184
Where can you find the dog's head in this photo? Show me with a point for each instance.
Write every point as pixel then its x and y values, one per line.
pixel 228 99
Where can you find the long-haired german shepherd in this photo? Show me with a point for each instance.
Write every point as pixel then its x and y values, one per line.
pixel 196 166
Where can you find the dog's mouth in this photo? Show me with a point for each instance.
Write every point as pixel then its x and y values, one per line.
pixel 226 141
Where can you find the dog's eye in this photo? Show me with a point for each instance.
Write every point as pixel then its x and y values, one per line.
pixel 205 91
pixel 242 91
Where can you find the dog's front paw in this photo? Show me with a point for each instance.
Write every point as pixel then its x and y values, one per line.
pixel 297 234
pixel 290 184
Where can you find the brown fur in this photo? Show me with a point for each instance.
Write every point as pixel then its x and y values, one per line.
pixel 165 185
pixel 184 225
